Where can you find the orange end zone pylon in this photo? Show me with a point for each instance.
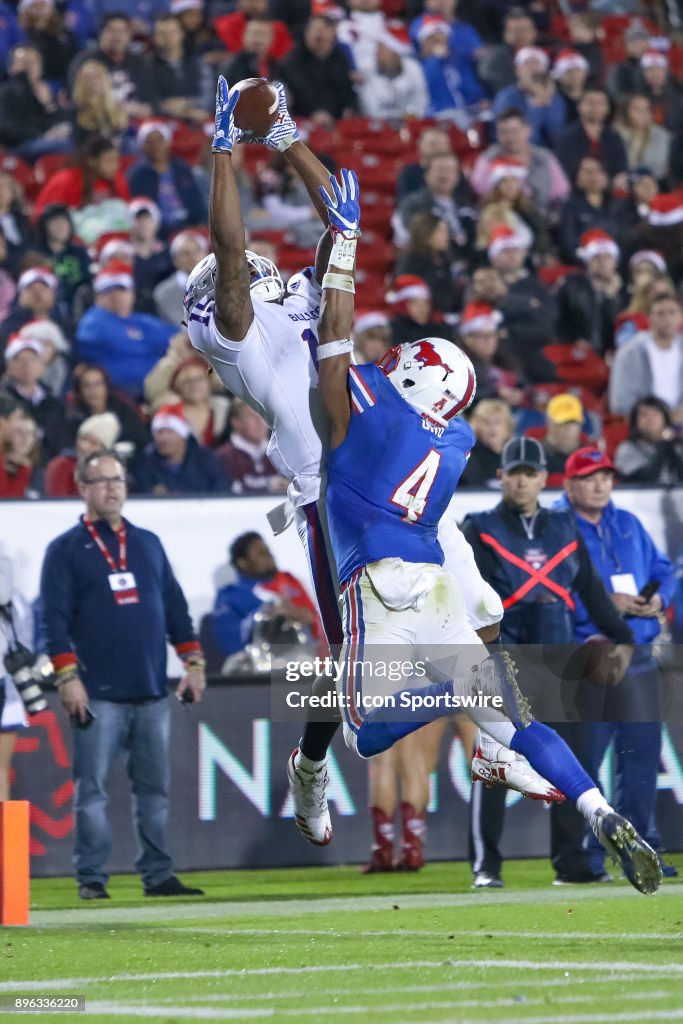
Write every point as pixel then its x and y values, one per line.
pixel 14 862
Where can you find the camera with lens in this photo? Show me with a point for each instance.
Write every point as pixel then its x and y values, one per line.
pixel 30 672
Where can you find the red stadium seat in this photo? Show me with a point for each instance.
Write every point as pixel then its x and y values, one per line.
pixel 614 431
pixel 22 173
pixel 188 143
pixel 577 364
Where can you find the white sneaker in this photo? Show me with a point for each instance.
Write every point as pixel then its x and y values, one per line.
pixel 311 813
pixel 513 771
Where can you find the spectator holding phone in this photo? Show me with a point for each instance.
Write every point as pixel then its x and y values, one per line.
pixel 110 601
pixel 641 580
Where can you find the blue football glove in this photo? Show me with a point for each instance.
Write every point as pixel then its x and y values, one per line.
pixel 226 133
pixel 283 133
pixel 343 206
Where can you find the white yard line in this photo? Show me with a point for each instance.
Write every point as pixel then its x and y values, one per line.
pixel 605 967
pixel 480 933
pixel 167 912
pixel 592 1018
pixel 455 986
pixel 147 1010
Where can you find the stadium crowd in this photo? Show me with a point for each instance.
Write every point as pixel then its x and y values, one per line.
pixel 521 173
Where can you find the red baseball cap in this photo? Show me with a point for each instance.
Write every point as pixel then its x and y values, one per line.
pixel 585 462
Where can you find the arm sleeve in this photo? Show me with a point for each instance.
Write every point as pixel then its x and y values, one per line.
pixel 233 617
pixel 600 607
pixel 659 567
pixel 179 626
pixel 623 388
pixel 483 556
pixel 57 601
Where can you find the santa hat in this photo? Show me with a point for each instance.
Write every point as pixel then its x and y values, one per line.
pixel 142 204
pixel 18 343
pixel 116 274
pixel 171 417
pixel 568 60
pixel 112 242
pixel 505 237
pixel 532 53
pixel 153 125
pixel 431 24
pixel 666 209
pixel 408 286
pixel 185 236
pixel 105 426
pixel 507 167
pixel 325 9
pixel 478 316
pixel 46 332
pixel 592 243
pixel 34 274
pixel 648 256
pixel 370 321
pixel 395 37
pixel 654 59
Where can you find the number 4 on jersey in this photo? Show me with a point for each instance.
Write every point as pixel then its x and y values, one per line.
pixel 413 492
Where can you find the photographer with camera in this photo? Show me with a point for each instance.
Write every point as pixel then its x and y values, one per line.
pixel 24 672
pixel 109 601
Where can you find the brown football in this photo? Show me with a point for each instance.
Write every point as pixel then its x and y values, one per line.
pixel 599 661
pixel 256 110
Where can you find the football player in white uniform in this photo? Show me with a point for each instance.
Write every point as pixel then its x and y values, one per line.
pixel 260 338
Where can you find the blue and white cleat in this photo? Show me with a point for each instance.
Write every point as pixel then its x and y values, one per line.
pixel 638 860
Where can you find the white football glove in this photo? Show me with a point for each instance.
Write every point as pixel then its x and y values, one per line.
pixel 284 132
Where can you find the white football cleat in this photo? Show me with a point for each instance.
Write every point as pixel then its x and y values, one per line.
pixel 311 813
pixel 513 771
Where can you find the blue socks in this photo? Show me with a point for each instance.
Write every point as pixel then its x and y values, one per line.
pixel 551 757
pixel 378 732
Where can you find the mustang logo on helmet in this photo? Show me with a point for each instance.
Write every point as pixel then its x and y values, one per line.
pixel 427 355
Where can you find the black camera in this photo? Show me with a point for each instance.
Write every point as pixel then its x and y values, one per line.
pixel 30 673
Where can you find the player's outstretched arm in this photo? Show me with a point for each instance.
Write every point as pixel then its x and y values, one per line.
pixel 284 137
pixel 336 319
pixel 234 311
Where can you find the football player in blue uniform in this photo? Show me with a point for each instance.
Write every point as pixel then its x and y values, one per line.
pixel 397 450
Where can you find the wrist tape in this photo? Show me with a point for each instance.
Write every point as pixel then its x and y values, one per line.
pixel 335 348
pixel 340 282
pixel 343 253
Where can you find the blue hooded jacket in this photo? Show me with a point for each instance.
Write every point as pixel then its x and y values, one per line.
pixel 617 544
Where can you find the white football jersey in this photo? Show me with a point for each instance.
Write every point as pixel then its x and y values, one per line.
pixel 267 369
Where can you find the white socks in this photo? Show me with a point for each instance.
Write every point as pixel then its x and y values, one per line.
pixel 304 764
pixel 591 803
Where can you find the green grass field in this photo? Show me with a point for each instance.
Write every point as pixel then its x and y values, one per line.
pixel 331 945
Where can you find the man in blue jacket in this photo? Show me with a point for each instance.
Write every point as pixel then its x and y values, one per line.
pixel 626 559
pixel 109 601
pixel 110 334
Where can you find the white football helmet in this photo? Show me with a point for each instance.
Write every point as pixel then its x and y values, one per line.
pixel 266 283
pixel 433 375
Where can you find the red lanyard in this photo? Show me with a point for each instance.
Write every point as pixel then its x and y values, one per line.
pixel 121 534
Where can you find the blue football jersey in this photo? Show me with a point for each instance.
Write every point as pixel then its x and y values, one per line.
pixel 389 482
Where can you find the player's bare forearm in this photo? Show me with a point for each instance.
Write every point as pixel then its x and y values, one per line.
pixel 225 214
pixel 234 311
pixel 322 255
pixel 335 324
